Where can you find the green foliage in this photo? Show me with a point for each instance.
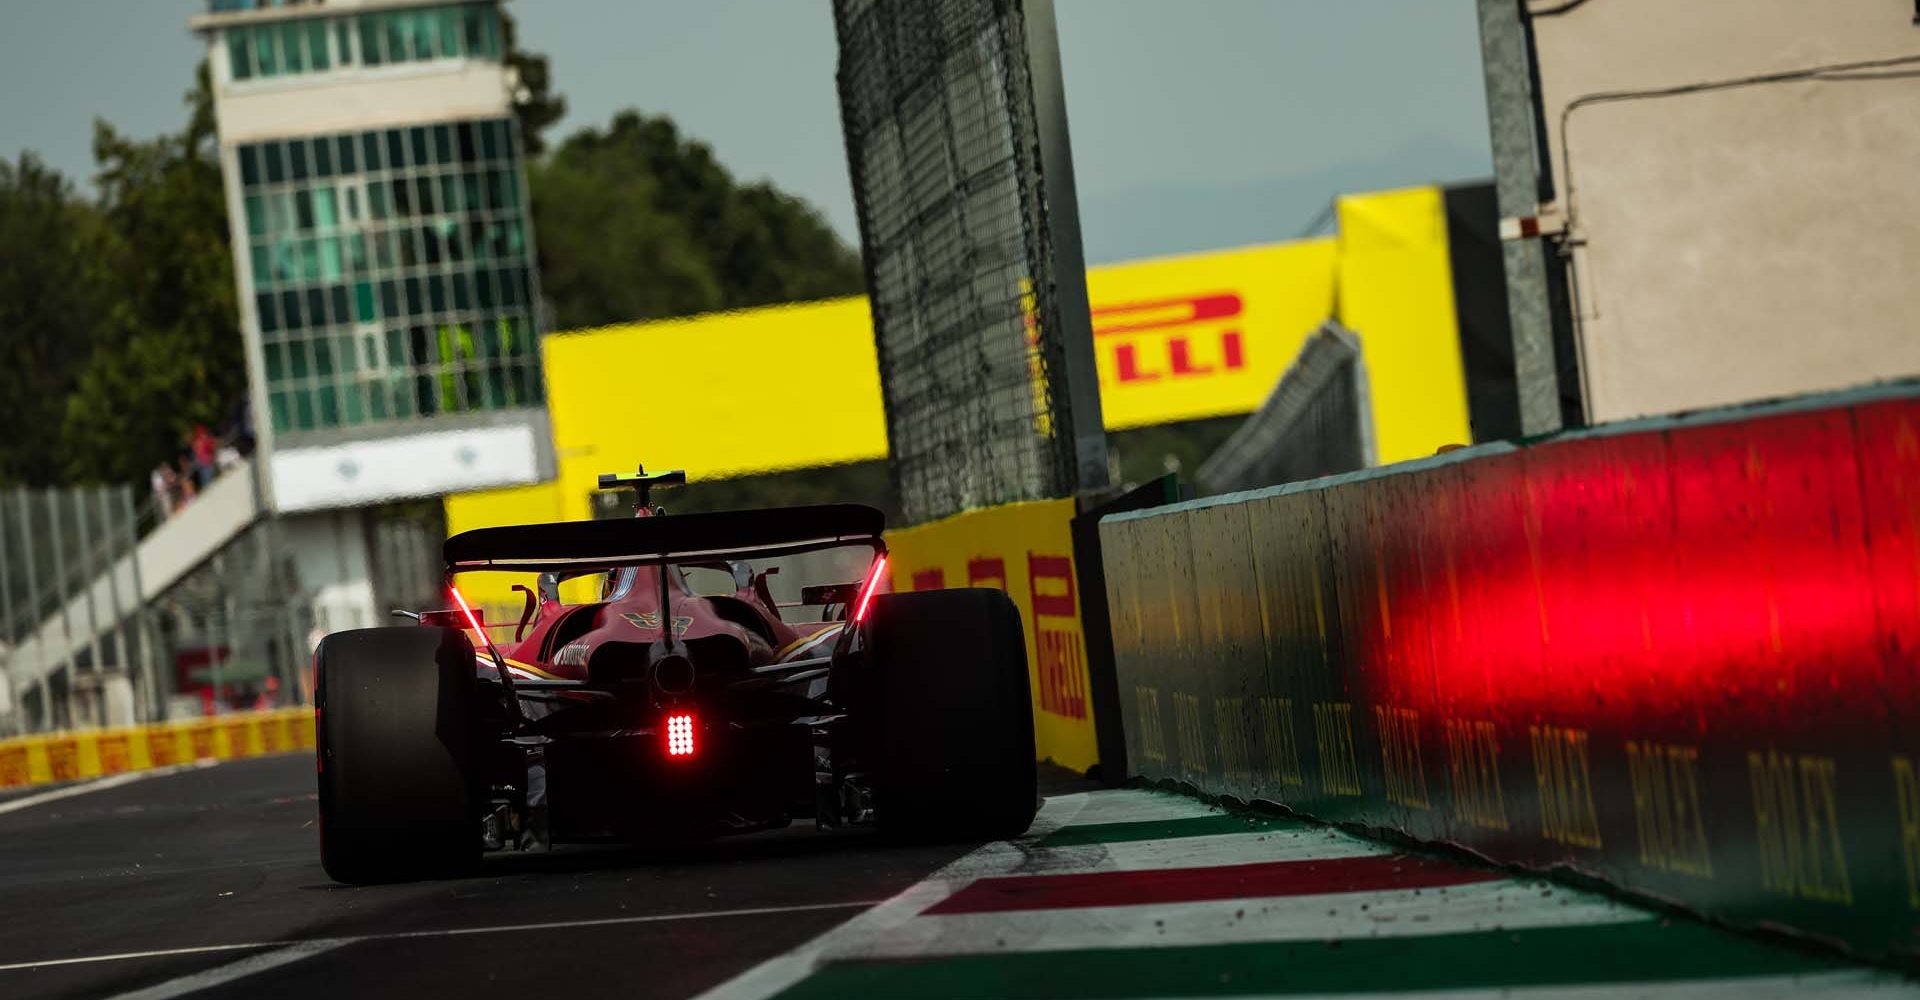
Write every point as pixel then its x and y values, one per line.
pixel 1147 453
pixel 168 348
pixel 49 309
pixel 637 222
pixel 118 323
pixel 534 103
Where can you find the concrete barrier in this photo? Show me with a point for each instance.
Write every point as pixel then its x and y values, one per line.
pixel 1680 656
pixel 50 758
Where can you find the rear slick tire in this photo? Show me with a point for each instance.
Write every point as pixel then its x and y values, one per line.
pixel 394 711
pixel 955 753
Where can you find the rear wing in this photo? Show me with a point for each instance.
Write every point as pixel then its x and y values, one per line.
pixel 638 540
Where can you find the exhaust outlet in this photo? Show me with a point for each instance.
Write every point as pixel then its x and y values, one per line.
pixel 673 674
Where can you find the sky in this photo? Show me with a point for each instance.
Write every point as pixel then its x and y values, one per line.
pixel 1196 124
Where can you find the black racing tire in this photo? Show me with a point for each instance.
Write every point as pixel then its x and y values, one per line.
pixel 394 713
pixel 954 715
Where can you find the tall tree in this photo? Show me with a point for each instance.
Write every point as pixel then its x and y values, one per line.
pixel 169 350
pixel 535 102
pixel 637 222
pixel 49 311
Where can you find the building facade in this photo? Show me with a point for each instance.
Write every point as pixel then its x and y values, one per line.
pixel 384 257
pixel 383 248
pixel 1732 183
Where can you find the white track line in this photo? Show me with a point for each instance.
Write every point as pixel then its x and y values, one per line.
pixel 220 975
pixel 651 918
pixel 99 785
pixel 997 858
pixel 122 956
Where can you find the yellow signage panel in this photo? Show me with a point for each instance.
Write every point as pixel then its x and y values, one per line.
pixel 1396 295
pixel 1025 549
pixel 1205 335
pixel 1178 338
pixel 727 394
pixel 791 387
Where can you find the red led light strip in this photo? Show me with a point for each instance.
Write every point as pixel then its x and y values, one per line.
pixel 473 620
pixel 873 584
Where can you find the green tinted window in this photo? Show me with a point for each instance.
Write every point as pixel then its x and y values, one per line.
pixel 317 54
pixel 266 48
pixel 372 52
pixel 388 292
pixel 293 46
pixel 240 53
pixel 318 44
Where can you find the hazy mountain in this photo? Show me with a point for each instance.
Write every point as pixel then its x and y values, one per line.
pixel 1166 219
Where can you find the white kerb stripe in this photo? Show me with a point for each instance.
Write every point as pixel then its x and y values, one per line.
pixel 1202 852
pixel 997 858
pixel 1390 913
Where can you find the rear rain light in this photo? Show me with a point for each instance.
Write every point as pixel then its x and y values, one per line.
pixel 679 735
pixel 866 593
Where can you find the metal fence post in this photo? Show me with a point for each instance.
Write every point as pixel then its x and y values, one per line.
pixel 143 624
pixel 1517 172
pixel 25 509
pixel 86 569
pixel 117 614
pixel 6 583
pixel 67 652
pixel 12 635
pixel 212 639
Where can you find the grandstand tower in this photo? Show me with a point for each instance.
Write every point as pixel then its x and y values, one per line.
pixel 385 266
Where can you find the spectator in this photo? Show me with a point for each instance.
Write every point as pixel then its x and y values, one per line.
pixel 242 432
pixel 187 490
pixel 205 448
pixel 164 484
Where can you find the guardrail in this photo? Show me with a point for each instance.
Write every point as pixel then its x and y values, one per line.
pixel 50 758
pixel 1681 656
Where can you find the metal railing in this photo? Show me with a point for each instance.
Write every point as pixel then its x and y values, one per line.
pixel 74 604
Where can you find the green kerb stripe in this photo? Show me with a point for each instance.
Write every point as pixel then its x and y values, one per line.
pixel 1164 829
pixel 1643 951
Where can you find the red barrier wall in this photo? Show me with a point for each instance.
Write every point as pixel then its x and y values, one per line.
pixel 1678 656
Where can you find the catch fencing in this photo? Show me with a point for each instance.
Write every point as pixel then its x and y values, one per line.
pixel 1316 422
pixel 54 545
pixel 937 106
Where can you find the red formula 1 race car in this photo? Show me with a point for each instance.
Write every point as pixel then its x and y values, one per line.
pixel 669 677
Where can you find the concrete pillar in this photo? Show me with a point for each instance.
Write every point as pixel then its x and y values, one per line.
pixel 1517 172
pixel 333 567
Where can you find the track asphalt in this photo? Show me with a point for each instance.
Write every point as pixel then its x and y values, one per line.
pixel 207 883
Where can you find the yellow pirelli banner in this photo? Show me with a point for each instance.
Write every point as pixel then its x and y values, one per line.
pixel 1175 338
pixel 50 758
pixel 1025 549
pixel 1204 335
